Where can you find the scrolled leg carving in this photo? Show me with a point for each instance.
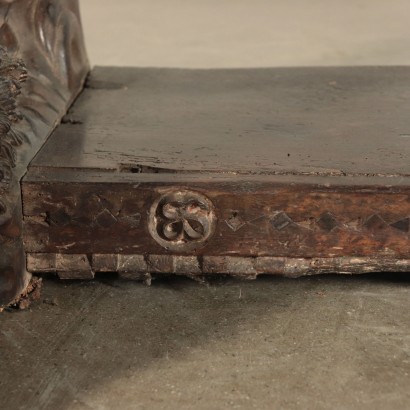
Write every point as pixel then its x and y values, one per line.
pixel 12 270
pixel 43 66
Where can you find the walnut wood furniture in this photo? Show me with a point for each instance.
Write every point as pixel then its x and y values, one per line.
pixel 251 171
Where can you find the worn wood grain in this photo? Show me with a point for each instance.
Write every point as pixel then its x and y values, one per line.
pixel 251 219
pixel 142 267
pixel 327 121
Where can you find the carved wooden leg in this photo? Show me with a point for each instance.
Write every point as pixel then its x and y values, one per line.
pixel 42 69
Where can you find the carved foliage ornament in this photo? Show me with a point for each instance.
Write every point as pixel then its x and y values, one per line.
pixel 182 220
pixel 49 39
pixel 47 36
pixel 12 75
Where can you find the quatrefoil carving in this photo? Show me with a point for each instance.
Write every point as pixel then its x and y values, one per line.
pixel 182 220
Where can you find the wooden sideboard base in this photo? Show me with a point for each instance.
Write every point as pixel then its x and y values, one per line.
pixel 242 172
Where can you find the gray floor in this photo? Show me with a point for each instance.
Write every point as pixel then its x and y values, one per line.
pixel 312 343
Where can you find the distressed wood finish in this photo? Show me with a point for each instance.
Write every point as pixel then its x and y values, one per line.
pixel 283 171
pixel 140 267
pixel 42 68
pixel 252 218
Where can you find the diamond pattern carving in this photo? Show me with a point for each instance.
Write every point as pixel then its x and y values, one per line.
pixel 327 222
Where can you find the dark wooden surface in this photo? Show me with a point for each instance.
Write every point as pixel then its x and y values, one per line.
pixel 286 120
pixel 301 164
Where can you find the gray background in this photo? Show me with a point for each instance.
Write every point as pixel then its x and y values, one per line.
pixel 247 33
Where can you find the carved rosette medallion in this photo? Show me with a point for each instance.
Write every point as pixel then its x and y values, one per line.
pixel 182 220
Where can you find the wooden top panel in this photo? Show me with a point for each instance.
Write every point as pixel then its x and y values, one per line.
pixel 314 121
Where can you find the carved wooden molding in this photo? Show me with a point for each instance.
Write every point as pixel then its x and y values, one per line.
pixel 141 267
pixel 41 46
